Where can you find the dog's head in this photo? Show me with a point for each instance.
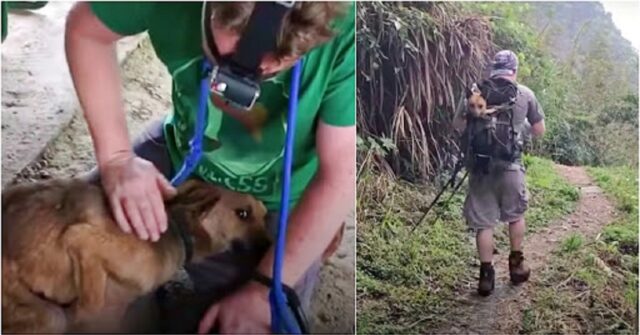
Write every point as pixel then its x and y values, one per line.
pixel 219 219
pixel 476 103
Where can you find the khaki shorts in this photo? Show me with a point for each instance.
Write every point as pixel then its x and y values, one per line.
pixel 500 196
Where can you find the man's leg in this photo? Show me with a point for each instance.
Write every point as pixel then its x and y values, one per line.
pixel 481 212
pixel 514 199
pixel 484 242
pixel 516 234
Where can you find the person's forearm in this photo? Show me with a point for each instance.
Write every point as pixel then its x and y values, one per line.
pixel 537 130
pixel 313 224
pixel 95 73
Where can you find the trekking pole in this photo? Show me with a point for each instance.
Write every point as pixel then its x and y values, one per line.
pixel 455 189
pixel 452 182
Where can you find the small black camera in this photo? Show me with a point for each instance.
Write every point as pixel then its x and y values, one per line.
pixel 235 89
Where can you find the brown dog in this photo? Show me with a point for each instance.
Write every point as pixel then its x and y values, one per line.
pixel 64 259
pixel 477 103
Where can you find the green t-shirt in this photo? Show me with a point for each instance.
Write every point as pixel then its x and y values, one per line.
pixel 241 159
pixel 4 16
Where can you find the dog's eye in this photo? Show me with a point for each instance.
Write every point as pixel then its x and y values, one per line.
pixel 243 214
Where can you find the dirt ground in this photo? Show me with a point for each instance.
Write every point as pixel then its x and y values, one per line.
pixel 501 312
pixel 147 96
pixel 37 90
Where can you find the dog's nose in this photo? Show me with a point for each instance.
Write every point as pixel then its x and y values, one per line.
pixel 257 243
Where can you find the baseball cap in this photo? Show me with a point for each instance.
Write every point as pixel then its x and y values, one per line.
pixel 505 62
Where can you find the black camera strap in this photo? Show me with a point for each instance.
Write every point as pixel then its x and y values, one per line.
pixel 259 37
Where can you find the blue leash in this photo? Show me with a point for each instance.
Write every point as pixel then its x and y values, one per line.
pixel 282 319
pixel 195 144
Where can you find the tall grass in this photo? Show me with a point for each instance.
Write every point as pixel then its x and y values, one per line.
pixel 414 61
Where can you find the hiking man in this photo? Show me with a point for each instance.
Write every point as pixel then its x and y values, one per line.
pixel 493 145
pixel 243 149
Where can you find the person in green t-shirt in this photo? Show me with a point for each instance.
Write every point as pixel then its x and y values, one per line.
pixel 243 150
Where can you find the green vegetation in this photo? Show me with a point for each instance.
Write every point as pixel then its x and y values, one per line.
pixel 404 276
pixel 590 287
pixel 572 243
pixel 417 58
pixel 414 61
pixel 621 182
pixel 551 196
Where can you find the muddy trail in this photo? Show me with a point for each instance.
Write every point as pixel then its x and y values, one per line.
pixel 501 312
pixel 146 92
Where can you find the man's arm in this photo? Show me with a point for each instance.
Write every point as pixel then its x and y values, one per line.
pixel 134 186
pixel 535 115
pixel 91 55
pixel 324 206
pixel 538 129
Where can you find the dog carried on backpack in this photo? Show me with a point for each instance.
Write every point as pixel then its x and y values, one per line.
pixel 490 141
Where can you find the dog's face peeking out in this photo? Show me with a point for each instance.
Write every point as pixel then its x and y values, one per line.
pixel 476 103
pixel 219 219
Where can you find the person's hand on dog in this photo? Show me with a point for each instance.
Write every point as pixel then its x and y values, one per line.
pixel 136 190
pixel 245 312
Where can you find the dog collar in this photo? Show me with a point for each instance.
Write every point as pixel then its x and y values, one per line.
pixel 184 236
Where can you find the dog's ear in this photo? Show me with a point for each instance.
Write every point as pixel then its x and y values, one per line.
pixel 189 185
pixel 196 196
pixel 467 92
pixel 473 89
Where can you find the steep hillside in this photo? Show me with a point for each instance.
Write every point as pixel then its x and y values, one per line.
pixel 575 31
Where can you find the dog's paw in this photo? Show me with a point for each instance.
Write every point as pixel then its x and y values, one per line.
pixel 489 111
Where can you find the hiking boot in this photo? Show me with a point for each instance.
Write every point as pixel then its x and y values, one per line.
pixel 487 279
pixel 518 271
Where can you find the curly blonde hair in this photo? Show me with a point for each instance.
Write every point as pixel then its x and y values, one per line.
pixel 306 26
